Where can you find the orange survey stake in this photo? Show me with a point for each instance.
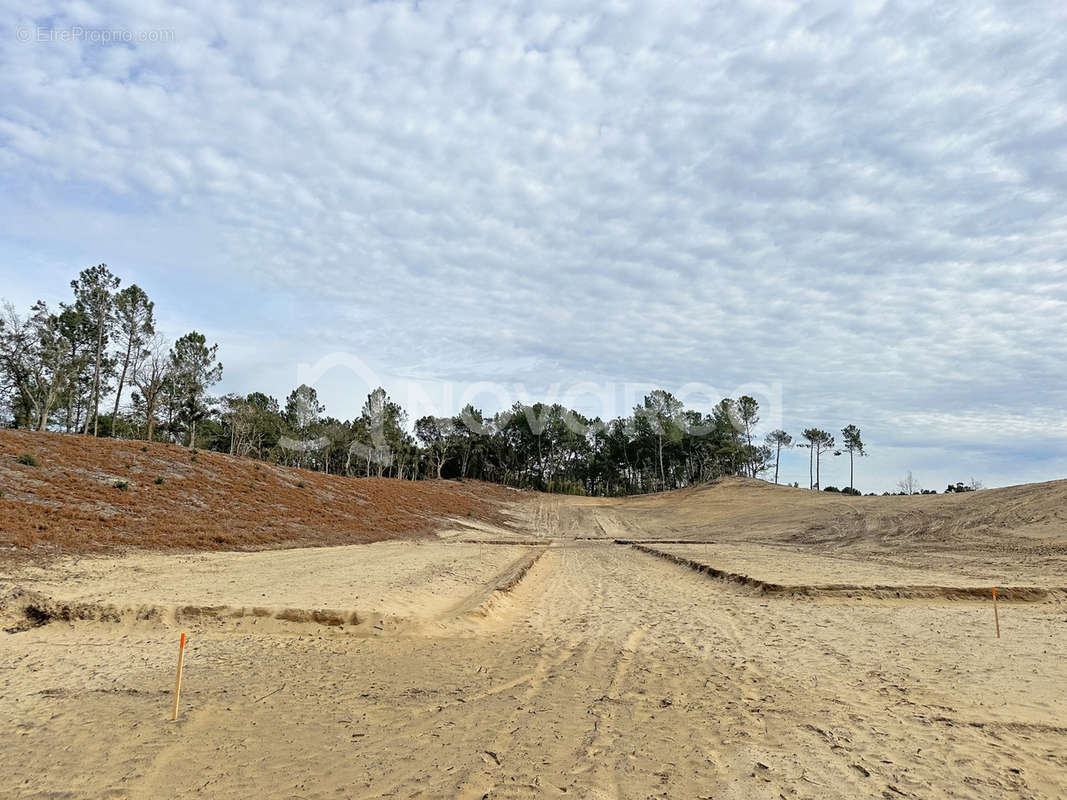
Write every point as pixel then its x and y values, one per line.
pixel 178 681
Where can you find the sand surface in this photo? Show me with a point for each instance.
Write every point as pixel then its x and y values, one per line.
pixel 597 672
pixel 402 579
pixel 791 567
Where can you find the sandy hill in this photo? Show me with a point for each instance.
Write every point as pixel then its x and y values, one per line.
pixel 994 531
pixel 73 499
pixel 1036 512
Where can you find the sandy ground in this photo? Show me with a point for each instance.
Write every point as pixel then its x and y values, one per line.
pixel 1016 535
pixel 403 580
pixel 603 672
pixel 787 566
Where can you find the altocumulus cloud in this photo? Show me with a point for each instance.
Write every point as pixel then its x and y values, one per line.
pixel 866 202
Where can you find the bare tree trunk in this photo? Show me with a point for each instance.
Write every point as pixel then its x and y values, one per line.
pixel 118 392
pixel 71 424
pixel 46 409
pixel 748 453
pixel 95 397
pixel 151 420
pixel 662 475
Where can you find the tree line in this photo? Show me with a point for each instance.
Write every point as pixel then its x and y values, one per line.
pixel 58 366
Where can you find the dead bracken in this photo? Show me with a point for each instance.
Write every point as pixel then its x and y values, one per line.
pixel 219 502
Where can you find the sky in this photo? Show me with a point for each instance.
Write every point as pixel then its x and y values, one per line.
pixel 856 212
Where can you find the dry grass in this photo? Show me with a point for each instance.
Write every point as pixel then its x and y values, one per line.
pixel 71 501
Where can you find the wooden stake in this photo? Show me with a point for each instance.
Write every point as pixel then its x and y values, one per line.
pixel 178 682
pixel 996 616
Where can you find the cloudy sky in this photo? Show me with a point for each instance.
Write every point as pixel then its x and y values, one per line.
pixel 857 211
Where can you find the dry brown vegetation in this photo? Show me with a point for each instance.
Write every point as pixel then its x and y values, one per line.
pixel 71 501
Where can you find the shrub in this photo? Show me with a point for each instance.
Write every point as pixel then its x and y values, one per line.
pixel 159 481
pixel 564 486
pixel 850 490
pixel 27 459
pixel 121 485
pixel 144 449
pixel 832 489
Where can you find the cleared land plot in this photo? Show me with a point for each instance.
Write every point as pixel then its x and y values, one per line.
pixel 582 669
pixel 778 569
pixel 398 581
pixel 604 672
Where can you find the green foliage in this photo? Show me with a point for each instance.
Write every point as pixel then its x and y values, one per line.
pixel 832 489
pixel 27 459
pixel 135 325
pixel 564 486
pixel 121 485
pixel 159 480
pixel 193 370
pixel 94 299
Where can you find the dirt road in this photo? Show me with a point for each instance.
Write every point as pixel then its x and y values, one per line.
pixel 603 673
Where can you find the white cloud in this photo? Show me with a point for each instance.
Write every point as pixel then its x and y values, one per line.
pixel 864 202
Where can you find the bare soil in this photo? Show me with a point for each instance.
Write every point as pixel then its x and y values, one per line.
pixel 559 663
